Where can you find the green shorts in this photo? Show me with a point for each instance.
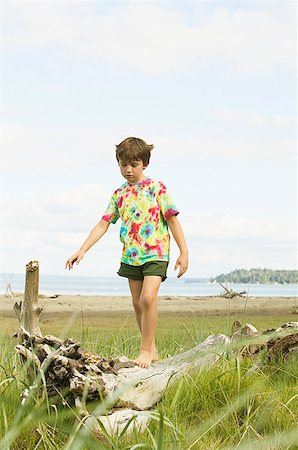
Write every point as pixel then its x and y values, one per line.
pixel 139 272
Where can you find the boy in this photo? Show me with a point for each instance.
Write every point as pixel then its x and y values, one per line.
pixel 146 210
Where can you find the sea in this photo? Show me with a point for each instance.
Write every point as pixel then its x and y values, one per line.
pixel 115 286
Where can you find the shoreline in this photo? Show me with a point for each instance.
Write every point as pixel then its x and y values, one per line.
pixel 99 305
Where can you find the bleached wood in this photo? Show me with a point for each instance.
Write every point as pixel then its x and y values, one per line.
pixel 124 385
pixel 28 311
pixel 115 423
pixel 145 387
pixel 17 309
pixel 28 355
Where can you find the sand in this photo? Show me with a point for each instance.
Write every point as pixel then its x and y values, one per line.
pixel 111 305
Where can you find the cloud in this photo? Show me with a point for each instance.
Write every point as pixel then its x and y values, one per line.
pixel 65 150
pixel 74 210
pixel 52 150
pixel 197 147
pixel 211 259
pixel 223 228
pixel 252 41
pixel 52 228
pixel 254 119
pixel 221 242
pixel 40 229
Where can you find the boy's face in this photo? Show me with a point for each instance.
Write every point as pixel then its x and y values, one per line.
pixel 132 171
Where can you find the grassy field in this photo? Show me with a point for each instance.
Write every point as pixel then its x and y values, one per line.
pixel 225 407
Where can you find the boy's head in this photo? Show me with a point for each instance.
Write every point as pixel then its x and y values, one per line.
pixel 133 149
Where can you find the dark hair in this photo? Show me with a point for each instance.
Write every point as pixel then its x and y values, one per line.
pixel 133 149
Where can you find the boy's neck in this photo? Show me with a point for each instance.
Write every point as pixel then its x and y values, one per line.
pixel 138 181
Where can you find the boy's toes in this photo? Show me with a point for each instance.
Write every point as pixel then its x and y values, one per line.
pixel 143 360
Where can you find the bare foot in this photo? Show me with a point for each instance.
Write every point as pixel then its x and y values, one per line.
pixel 154 356
pixel 144 359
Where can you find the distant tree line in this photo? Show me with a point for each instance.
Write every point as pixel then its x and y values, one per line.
pixel 262 276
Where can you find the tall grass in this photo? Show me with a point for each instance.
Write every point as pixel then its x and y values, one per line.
pixel 226 406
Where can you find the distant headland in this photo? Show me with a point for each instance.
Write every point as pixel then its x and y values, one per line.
pixel 258 276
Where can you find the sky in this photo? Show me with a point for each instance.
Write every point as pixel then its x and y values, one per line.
pixel 212 84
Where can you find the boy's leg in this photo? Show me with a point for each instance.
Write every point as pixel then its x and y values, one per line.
pixel 135 287
pixel 136 290
pixel 148 298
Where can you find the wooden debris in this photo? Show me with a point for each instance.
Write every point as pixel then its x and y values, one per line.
pixel 116 422
pixel 229 293
pixel 29 311
pixel 68 370
pixel 87 373
pixel 243 332
pixel 280 341
pixel 283 346
pixel 8 291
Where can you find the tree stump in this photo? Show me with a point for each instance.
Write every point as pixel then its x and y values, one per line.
pixel 28 311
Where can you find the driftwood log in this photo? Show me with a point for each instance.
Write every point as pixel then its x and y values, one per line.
pixel 128 391
pixel 229 293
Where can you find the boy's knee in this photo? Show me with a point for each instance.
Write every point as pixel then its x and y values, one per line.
pixel 147 299
pixel 136 303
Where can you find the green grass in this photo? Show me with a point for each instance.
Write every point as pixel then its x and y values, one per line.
pixel 227 406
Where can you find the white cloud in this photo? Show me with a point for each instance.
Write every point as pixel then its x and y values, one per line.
pixel 53 150
pixel 211 259
pixel 208 256
pixel 217 242
pixel 251 40
pixel 255 119
pixel 221 243
pixel 53 228
pixel 212 227
pixel 200 147
pixel 74 210
pixel 18 247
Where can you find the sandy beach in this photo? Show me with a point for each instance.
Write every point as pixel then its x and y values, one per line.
pixel 109 306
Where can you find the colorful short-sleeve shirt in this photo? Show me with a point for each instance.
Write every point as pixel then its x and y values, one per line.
pixel 144 208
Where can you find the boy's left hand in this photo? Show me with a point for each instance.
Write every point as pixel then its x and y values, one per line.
pixel 182 263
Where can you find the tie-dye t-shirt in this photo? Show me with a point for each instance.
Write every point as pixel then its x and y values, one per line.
pixel 144 208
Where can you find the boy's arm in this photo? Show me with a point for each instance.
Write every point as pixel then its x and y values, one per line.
pixel 95 234
pixel 178 235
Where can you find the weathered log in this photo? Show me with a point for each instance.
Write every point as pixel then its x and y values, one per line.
pixel 148 385
pixel 65 367
pixel 282 346
pixel 92 376
pixel 141 388
pixel 98 377
pixel 30 356
pixel 286 341
pixel 285 326
pixel 229 293
pixel 115 423
pixel 279 342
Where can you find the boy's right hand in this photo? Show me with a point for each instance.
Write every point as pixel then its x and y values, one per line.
pixel 74 258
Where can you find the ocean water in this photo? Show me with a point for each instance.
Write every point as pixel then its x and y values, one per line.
pixel 83 285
